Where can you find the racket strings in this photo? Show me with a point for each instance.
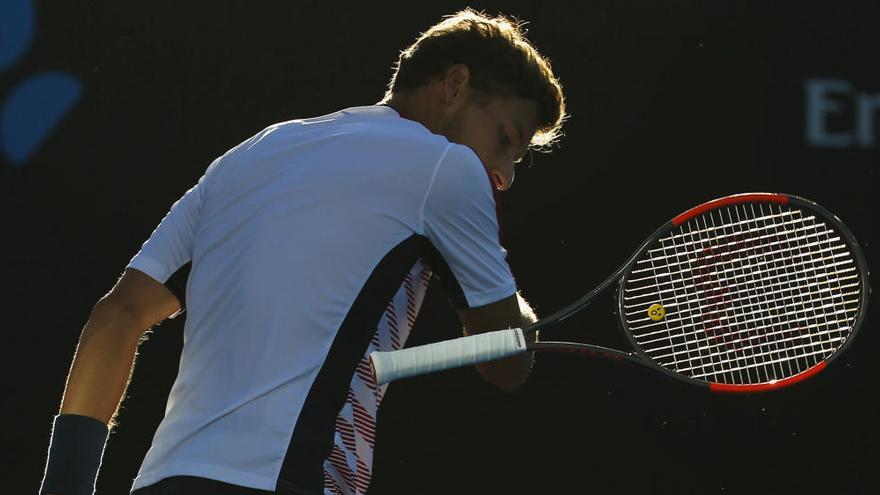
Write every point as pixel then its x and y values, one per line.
pixel 697 306
pixel 772 367
pixel 776 288
pixel 752 295
pixel 748 330
pixel 777 367
pixel 778 245
pixel 803 352
pixel 780 337
pixel 733 359
pixel 703 233
pixel 778 284
pixel 825 338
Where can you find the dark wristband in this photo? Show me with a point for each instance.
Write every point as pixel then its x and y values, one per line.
pixel 75 453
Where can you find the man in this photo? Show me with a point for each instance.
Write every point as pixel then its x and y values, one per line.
pixel 300 251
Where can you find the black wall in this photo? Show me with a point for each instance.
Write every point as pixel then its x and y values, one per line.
pixel 673 103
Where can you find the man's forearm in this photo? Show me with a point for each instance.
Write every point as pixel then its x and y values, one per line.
pixel 102 366
pixel 510 373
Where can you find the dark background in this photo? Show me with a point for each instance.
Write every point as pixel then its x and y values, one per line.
pixel 673 103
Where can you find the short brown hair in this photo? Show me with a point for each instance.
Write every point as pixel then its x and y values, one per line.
pixel 500 59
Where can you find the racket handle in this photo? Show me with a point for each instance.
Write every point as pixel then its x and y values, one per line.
pixel 473 349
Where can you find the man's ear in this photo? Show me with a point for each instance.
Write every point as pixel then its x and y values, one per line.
pixel 455 84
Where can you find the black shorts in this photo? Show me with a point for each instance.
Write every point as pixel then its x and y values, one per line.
pixel 192 485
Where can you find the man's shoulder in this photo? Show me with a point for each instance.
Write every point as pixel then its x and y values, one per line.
pixel 378 123
pixel 463 158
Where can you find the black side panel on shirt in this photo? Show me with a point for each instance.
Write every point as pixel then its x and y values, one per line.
pixel 440 270
pixel 312 439
pixel 176 283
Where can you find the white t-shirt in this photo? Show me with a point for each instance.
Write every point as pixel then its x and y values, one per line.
pixel 300 239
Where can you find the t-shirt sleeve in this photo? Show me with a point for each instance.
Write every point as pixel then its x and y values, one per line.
pixel 460 221
pixel 170 246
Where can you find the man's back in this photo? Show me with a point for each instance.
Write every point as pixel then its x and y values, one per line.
pixel 296 248
pixel 300 237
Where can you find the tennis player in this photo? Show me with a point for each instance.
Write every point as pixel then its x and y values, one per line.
pixel 302 250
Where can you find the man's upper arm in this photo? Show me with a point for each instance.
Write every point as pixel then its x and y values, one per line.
pixel 153 275
pixel 460 221
pixel 165 258
pixel 141 297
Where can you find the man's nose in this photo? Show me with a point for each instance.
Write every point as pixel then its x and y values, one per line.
pixel 501 182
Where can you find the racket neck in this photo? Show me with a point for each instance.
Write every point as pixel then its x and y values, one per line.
pixel 585 300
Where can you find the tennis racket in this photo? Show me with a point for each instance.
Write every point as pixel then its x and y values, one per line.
pixel 745 293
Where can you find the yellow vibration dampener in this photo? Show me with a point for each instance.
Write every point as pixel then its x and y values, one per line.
pixel 656 312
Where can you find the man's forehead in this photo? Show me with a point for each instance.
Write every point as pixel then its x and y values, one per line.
pixel 524 114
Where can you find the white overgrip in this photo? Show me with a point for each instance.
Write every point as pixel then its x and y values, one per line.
pixel 473 349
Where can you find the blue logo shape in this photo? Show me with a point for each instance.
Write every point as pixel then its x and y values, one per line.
pixel 16 30
pixel 33 109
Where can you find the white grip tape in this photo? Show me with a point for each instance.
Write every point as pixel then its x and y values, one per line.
pixel 473 349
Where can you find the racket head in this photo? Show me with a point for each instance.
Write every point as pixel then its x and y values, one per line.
pixel 751 292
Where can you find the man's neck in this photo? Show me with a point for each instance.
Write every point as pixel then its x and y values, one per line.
pixel 417 105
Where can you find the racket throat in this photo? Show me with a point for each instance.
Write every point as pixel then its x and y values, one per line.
pixel 588 350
